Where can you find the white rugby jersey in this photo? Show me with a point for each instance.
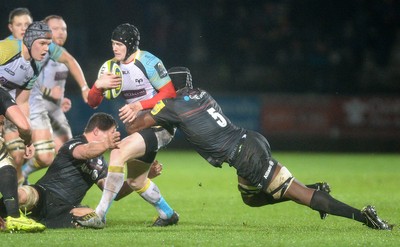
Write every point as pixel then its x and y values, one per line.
pixel 143 77
pixel 15 71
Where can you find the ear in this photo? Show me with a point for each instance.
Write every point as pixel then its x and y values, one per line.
pixel 10 27
pixel 95 131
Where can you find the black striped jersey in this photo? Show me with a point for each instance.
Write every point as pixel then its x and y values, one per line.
pixel 71 178
pixel 200 118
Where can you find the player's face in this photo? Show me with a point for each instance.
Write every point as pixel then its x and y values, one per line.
pixel 19 25
pixel 39 49
pixel 59 30
pixel 119 50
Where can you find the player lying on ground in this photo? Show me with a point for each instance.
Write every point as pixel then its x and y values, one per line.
pixel 55 199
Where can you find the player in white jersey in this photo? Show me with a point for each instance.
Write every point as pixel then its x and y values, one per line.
pixel 20 64
pixel 50 126
pixel 146 81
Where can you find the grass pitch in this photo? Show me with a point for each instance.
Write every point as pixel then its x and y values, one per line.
pixel 212 213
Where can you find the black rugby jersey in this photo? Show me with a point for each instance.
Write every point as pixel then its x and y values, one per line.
pixel 69 178
pixel 199 116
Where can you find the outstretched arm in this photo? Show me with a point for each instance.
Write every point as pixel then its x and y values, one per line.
pixel 76 72
pixel 142 121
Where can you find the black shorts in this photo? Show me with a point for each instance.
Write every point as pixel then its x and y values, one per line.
pixel 150 139
pixel 51 210
pixel 253 161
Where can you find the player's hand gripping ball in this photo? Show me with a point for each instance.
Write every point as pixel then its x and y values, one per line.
pixel 111 66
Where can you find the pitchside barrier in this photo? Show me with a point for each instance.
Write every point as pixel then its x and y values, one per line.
pixel 296 122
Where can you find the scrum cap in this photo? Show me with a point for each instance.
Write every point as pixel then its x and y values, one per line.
pixel 36 30
pixel 129 35
pixel 180 77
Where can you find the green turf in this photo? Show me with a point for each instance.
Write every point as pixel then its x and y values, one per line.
pixel 212 214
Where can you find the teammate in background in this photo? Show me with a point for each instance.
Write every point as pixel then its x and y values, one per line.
pixel 14 219
pixel 55 199
pixel 262 179
pixel 146 81
pixel 18 21
pixel 50 128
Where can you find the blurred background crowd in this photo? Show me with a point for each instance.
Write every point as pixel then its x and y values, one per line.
pixel 310 46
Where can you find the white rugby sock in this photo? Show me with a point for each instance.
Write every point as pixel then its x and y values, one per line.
pixel 113 184
pixel 151 193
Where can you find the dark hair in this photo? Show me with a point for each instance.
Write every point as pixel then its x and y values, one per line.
pixel 18 12
pixel 49 17
pixel 101 120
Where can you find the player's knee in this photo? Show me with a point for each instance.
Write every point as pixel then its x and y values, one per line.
pixel 16 149
pixel 45 152
pixel 280 183
pixel 135 184
pixel 28 197
pixel 250 195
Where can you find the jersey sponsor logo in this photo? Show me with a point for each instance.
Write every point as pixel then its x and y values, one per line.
pixel 157 108
pixel 23 67
pixel 9 71
pixel 72 145
pixel 62 75
pixel 131 94
pixel 93 167
pixel 8 84
pixel 162 72
pixel 125 72
pixel 197 96
pixel 270 165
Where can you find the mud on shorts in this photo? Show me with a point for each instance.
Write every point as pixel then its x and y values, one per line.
pixel 40 121
pixel 51 210
pixel 58 120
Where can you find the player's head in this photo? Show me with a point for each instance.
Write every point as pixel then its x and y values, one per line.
pixel 129 35
pixel 36 30
pixel 102 121
pixel 18 21
pixel 180 77
pixel 58 27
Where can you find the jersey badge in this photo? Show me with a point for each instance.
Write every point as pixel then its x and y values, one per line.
pixel 157 108
pixel 162 72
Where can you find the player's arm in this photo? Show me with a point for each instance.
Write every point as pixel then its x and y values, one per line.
pixel 166 91
pixel 76 72
pixel 129 112
pixel 104 82
pixel 143 121
pixel 96 148
pixel 22 100
pixel 15 115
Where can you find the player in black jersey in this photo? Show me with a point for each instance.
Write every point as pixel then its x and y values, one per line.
pixel 14 219
pixel 55 199
pixel 78 165
pixel 262 179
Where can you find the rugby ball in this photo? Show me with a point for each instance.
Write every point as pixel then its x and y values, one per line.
pixel 111 66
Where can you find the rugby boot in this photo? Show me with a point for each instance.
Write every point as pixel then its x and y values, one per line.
pixel 373 221
pixel 173 220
